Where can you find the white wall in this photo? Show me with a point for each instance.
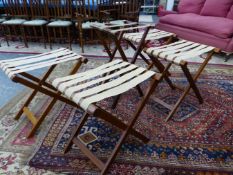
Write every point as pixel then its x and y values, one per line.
pixel 170 4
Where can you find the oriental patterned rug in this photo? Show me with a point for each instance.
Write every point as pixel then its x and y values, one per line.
pixel 198 139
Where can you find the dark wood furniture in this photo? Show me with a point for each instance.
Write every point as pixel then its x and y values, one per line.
pixel 60 25
pixel 35 28
pixel 86 12
pixel 18 12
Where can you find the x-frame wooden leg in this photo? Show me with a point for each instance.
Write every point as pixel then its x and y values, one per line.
pixel 37 121
pixel 191 80
pixel 127 128
pixel 117 40
pixel 138 52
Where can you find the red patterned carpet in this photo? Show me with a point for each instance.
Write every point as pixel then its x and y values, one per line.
pixel 199 138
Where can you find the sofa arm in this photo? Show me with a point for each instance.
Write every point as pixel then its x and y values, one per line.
pixel 166 12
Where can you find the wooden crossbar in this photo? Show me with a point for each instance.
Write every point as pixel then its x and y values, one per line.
pixel 30 115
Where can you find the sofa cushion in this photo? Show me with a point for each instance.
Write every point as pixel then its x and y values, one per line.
pixel 190 6
pixel 216 8
pixel 220 27
pixel 230 13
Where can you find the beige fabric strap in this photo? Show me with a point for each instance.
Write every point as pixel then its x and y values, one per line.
pixel 105 81
pixel 15 66
pixel 58 55
pixel 153 34
pixel 92 75
pixel 58 81
pixel 179 51
pixel 29 57
pixel 121 27
pixel 129 28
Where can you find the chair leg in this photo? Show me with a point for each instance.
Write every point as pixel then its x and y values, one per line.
pixel 172 112
pixel 75 132
pixel 6 34
pixel 69 37
pixel 34 92
pixel 81 40
pixel 43 35
pixel 61 35
pixel 127 128
pixel 16 33
pixel 23 32
pixel 49 38
pixel 196 76
pixel 138 53
pixel 106 46
pixel 161 69
pixel 126 132
pixel 54 34
pixel 192 83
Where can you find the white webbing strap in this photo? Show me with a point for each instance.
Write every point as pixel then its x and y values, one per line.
pixel 116 82
pixel 153 34
pixel 179 51
pixel 105 81
pixel 111 26
pixel 56 55
pixel 33 56
pixel 116 90
pixel 71 90
pixel 151 50
pixel 34 64
pixel 58 81
pixel 42 65
pixel 23 64
pixel 128 28
pixel 62 86
pixel 193 54
pixel 156 51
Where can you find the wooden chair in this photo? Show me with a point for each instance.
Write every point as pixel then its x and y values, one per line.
pixel 60 15
pixel 34 29
pixel 3 17
pixel 130 10
pixel 177 53
pixel 108 11
pixel 86 14
pixel 123 9
pixel 19 13
pixel 16 70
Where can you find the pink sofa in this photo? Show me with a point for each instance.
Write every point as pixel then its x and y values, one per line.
pixel 205 21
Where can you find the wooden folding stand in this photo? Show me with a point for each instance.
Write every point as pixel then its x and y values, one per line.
pixel 177 53
pixel 16 70
pixel 137 40
pixel 88 88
